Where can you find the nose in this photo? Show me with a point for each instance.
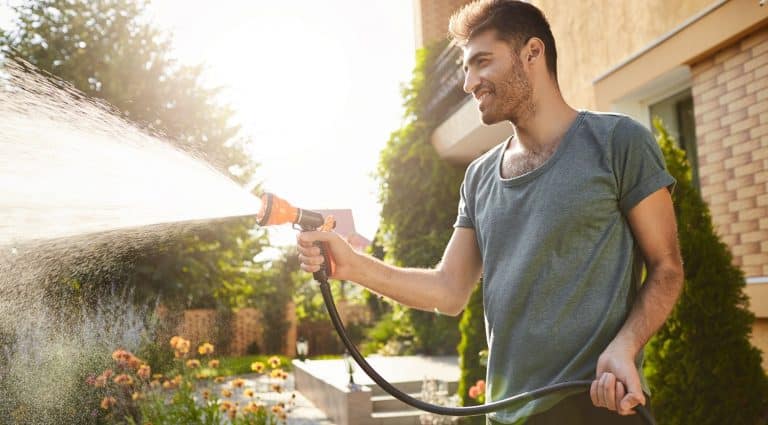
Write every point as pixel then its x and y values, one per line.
pixel 470 82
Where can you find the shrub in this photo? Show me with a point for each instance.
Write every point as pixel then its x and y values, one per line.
pixel 701 366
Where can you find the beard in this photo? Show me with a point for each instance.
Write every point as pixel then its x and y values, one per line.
pixel 512 97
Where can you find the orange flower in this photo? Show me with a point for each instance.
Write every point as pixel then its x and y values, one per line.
pixel 226 393
pixel 232 413
pixel 144 371
pixel 481 386
pixel 213 364
pixel 277 388
pixel 249 392
pixel 226 405
pixel 274 361
pixel 218 379
pixel 277 410
pixel 205 348
pixel 257 367
pixel 107 402
pixel 123 379
pixel 137 396
pixel 193 363
pixel 206 395
pixel 238 383
pixel 252 407
pixel 180 345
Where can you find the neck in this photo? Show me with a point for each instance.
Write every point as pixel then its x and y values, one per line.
pixel 549 122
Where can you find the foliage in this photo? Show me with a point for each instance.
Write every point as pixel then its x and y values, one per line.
pixel 129 392
pixel 701 366
pixel 419 193
pixel 473 342
pixel 109 50
pixel 281 276
pixel 239 365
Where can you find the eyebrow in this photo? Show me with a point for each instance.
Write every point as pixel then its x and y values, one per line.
pixel 474 58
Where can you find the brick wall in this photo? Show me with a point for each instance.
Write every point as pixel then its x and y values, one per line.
pixel 730 93
pixel 432 19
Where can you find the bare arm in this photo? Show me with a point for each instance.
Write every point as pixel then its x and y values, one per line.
pixel 445 288
pixel 617 385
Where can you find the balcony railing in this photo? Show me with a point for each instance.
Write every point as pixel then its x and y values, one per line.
pixel 445 80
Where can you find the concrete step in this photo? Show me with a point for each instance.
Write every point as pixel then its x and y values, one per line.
pixel 410 387
pixel 387 403
pixel 402 417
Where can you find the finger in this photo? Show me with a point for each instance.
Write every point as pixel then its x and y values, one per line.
pixel 309 251
pixel 593 394
pixel 634 394
pixel 309 268
pixel 311 260
pixel 608 385
pixel 309 237
pixel 600 391
pixel 628 403
pixel 619 394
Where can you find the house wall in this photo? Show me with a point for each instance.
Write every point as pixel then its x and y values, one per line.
pixel 730 94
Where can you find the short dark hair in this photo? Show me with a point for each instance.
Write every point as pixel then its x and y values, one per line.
pixel 515 22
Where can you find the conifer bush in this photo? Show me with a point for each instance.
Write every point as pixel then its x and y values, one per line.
pixel 701 366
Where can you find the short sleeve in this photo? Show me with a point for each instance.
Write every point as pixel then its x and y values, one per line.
pixel 464 216
pixel 638 164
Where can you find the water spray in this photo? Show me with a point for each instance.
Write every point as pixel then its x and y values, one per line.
pixel 275 211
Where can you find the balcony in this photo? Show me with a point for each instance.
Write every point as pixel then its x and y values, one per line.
pixel 460 136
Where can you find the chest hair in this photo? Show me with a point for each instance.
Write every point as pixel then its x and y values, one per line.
pixel 515 164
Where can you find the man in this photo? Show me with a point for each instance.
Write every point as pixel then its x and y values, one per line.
pixel 558 219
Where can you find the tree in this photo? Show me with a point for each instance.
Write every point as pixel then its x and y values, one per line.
pixel 108 50
pixel 701 366
pixel 419 193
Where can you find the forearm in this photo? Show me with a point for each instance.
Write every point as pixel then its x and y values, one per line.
pixel 423 289
pixel 654 304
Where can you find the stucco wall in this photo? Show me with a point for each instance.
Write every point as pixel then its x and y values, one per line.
pixel 608 32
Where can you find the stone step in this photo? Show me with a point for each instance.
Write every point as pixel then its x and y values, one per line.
pixel 412 387
pixel 402 417
pixel 387 403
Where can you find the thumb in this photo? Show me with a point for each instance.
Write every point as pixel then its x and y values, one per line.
pixel 633 397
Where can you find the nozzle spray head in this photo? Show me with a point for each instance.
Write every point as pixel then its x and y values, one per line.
pixel 275 210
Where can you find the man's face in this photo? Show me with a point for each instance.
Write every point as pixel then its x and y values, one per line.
pixel 494 75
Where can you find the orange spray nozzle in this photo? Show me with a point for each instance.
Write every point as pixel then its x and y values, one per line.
pixel 275 210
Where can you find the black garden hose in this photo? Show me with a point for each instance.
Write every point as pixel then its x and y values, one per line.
pixel 325 289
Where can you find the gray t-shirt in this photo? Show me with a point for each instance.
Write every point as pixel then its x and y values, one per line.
pixel 561 268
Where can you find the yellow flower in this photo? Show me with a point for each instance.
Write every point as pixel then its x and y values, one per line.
pixel 274 361
pixel 177 380
pixel 169 385
pixel 213 364
pixel 193 363
pixel 205 348
pixel 180 345
pixel 277 373
pixel 232 413
pixel 277 388
pixel 277 410
pixel 123 379
pixel 252 407
pixel 238 383
pixel 257 367
pixel 107 402
pixel 137 396
pixel 248 392
pixel 226 405
pixel 226 393
pixel 144 371
pixel 218 379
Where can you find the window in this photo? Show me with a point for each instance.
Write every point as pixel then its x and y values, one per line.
pixel 676 112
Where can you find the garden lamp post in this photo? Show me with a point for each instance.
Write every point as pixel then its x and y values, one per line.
pixel 302 348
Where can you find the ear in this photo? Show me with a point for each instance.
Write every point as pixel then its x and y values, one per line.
pixel 532 52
